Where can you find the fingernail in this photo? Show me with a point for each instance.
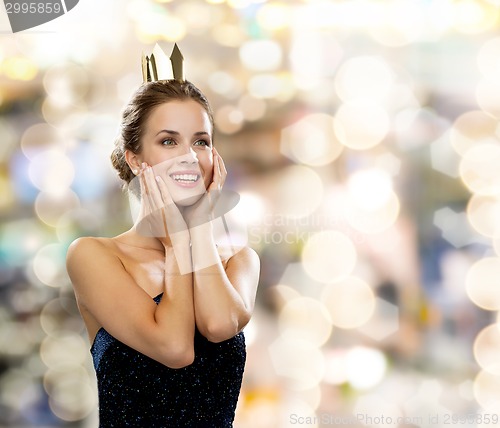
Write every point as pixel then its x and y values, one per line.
pixel 157 178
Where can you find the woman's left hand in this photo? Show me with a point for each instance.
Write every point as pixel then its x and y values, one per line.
pixel 203 210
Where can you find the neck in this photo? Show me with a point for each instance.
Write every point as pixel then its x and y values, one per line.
pixel 137 239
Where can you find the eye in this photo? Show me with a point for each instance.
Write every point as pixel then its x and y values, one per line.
pixel 202 143
pixel 168 142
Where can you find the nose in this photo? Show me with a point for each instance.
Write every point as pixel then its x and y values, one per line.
pixel 189 157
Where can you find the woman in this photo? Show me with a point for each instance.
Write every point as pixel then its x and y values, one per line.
pixel 163 311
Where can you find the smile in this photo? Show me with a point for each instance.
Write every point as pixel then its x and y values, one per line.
pixel 186 179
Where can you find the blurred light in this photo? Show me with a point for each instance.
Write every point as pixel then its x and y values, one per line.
pixel 474 16
pixel 261 55
pixel 487 349
pixel 488 96
pixel 481 283
pixel 264 86
pixel 282 294
pixel 384 322
pixel 472 128
pixel 229 119
pixel 389 163
pixel 198 16
pixel 479 169
pixel 38 138
pixel 399 22
pixel 156 24
pixel 56 320
pixel 252 108
pixel 66 83
pixel 289 355
pixel 20 239
pixel 66 350
pixel 298 192
pixel 350 302
pixel 488 58
pixel 370 189
pixel 305 319
pixel 336 367
pixel 375 122
pixel 274 16
pixel 366 367
pixel 373 220
pixel 229 35
pixel 329 256
pixel 10 138
pixel 313 55
pixel 352 81
pixel 49 265
pixel 215 1
pixel 6 192
pixel 78 222
pixel 51 171
pixel 19 68
pixel 223 83
pixel 64 117
pixel 483 213
pixel 311 140
pixel 443 158
pixel 250 208
pixel 487 391
pixel 50 207
pixel 71 396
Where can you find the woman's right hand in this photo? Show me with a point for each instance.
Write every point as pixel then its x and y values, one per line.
pixel 162 218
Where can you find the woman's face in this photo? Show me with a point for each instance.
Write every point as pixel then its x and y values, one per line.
pixel 177 143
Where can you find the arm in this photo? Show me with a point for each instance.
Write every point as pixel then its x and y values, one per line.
pixel 223 298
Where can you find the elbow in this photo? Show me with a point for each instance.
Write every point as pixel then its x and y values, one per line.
pixel 177 357
pixel 220 330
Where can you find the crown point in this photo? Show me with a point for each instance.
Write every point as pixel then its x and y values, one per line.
pixel 176 59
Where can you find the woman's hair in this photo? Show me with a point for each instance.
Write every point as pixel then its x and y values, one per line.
pixel 136 113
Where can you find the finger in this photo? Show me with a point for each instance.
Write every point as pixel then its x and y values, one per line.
pixel 164 192
pixel 153 191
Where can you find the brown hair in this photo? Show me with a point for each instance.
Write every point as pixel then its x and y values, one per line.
pixel 136 113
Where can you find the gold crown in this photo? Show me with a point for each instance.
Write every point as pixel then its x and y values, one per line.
pixel 155 66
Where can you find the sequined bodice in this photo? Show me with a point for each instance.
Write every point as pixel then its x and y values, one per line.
pixel 137 391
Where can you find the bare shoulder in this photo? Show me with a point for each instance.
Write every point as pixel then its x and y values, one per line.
pixel 245 255
pixel 90 252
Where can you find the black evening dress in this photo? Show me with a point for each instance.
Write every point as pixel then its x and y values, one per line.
pixel 137 391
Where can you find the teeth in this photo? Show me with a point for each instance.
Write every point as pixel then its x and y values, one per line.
pixel 185 177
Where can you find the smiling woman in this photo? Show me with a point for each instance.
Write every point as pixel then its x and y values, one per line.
pixel 163 310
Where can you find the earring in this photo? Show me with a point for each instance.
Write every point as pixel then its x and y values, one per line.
pixel 134 171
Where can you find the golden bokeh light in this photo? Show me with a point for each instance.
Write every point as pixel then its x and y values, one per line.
pixel 488 58
pixel 252 108
pixel 350 302
pixel 229 119
pixel 487 391
pixel 474 16
pixel 375 120
pixel 487 96
pixel 329 256
pixel 49 265
pixel 298 191
pixel 483 213
pixel 288 355
pixel 50 207
pixel 274 15
pixel 19 68
pixel 479 169
pixel 71 397
pixel 305 319
pixel 352 81
pixel 481 283
pixel 38 138
pixel 370 189
pixel 472 128
pixel 487 349
pixel 51 171
pixel 66 350
pixel 365 367
pixel 261 55
pixel 311 140
pixel 374 220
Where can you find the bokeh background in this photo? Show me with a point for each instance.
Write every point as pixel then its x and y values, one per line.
pixel 363 138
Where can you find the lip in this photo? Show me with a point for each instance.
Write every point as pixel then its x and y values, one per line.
pixel 192 178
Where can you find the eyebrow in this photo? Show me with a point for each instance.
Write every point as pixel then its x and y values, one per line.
pixel 169 131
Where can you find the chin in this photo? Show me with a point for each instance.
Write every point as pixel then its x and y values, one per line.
pixel 187 201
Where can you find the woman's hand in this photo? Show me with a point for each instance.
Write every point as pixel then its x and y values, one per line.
pixel 161 216
pixel 203 210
